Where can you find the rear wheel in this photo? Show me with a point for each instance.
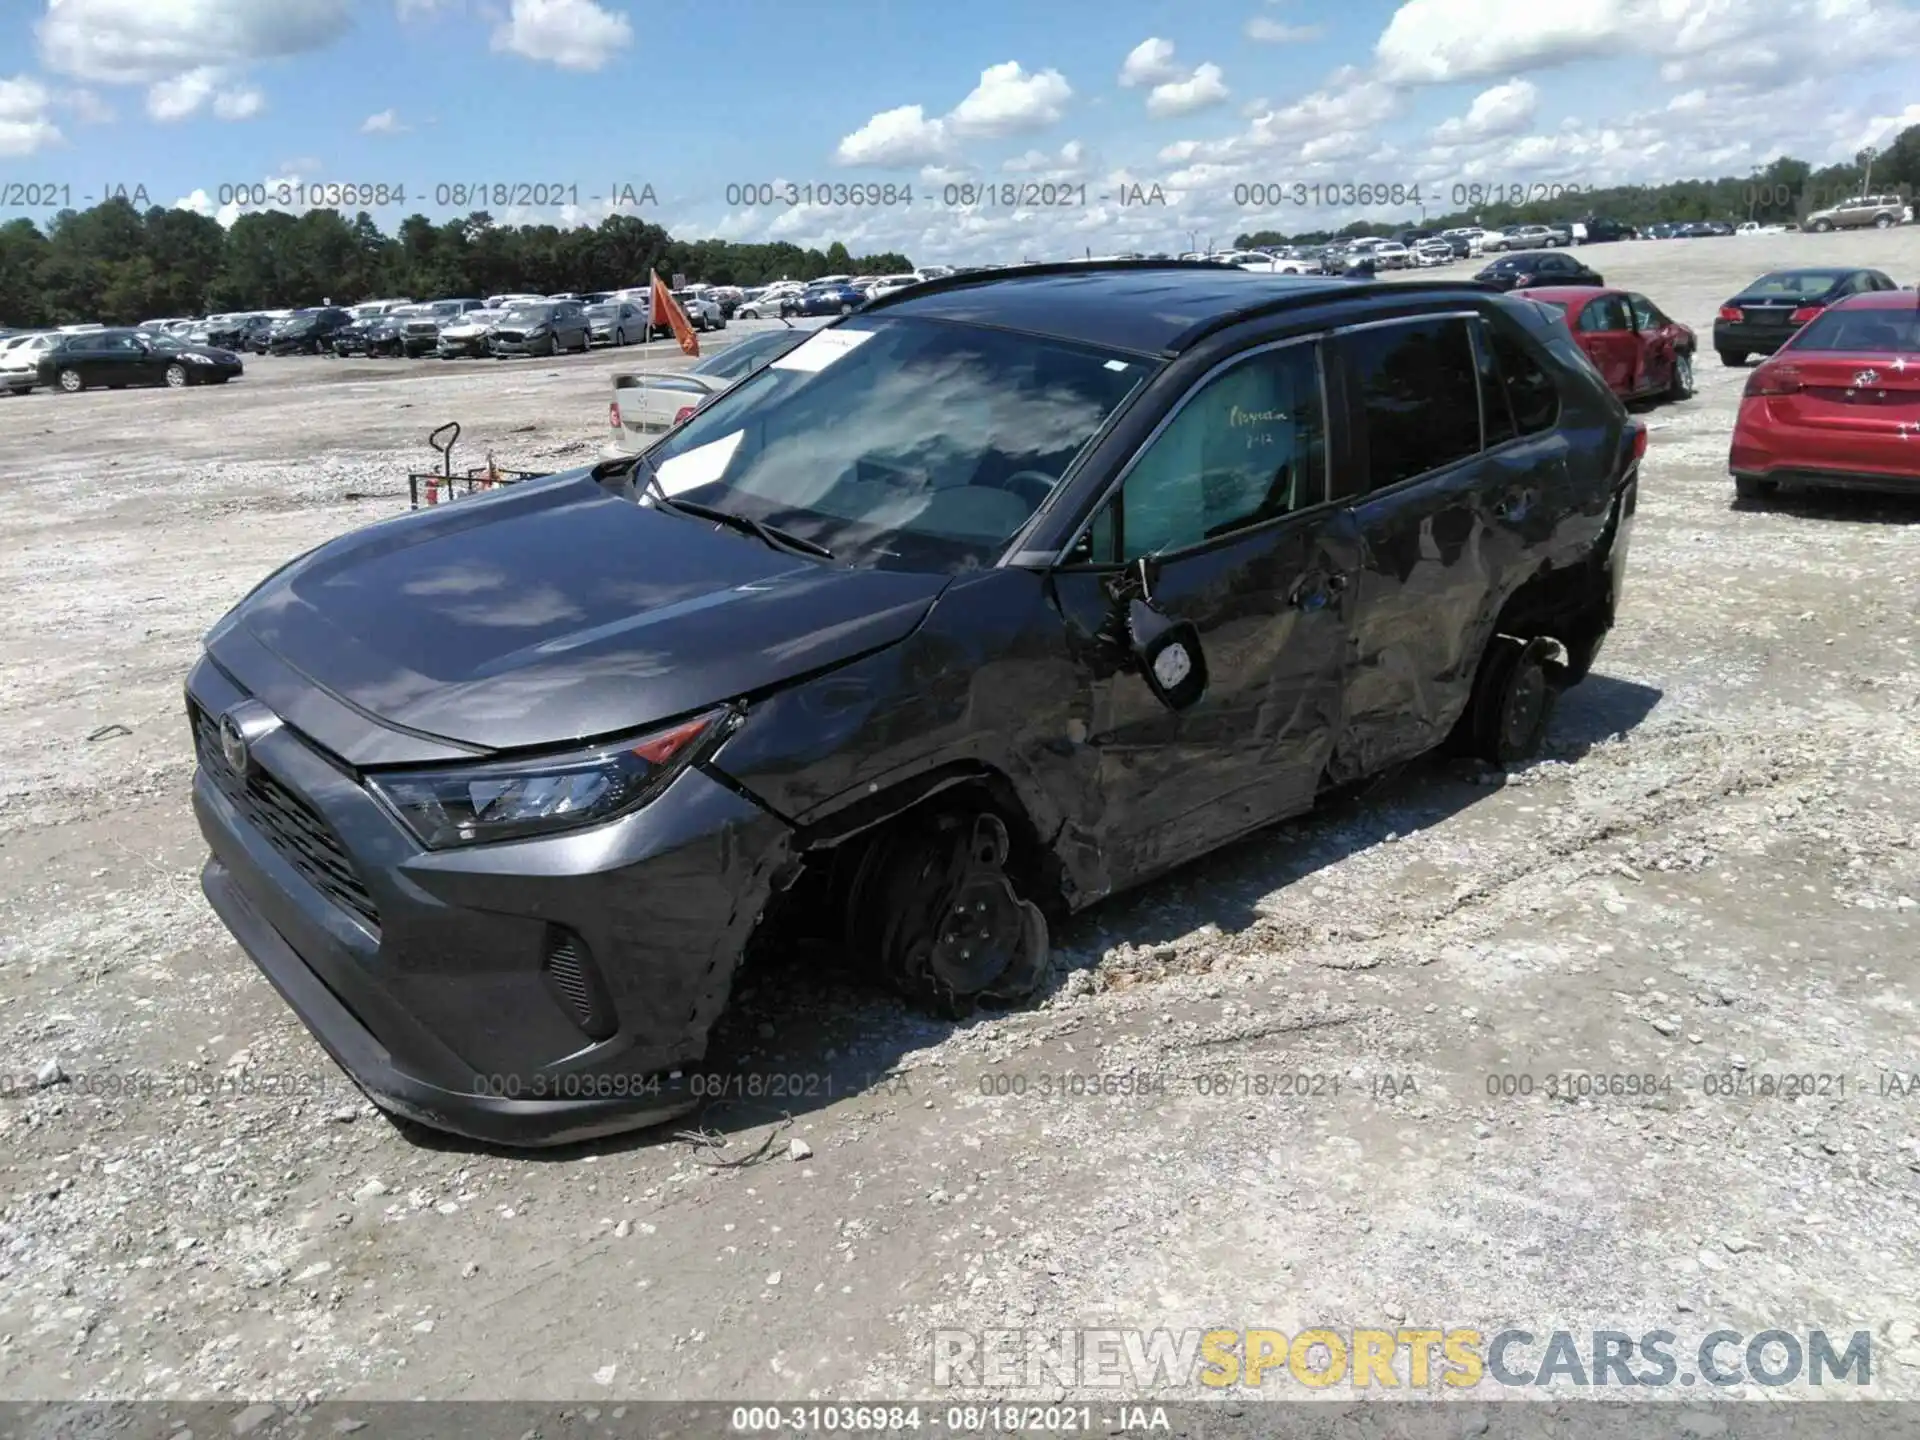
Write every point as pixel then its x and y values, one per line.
pixel 1733 358
pixel 1821 227
pixel 1881 222
pixel 71 382
pixel 1682 385
pixel 1512 701
pixel 933 911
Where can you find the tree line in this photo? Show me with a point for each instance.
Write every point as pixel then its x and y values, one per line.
pixel 113 264
pixel 1781 192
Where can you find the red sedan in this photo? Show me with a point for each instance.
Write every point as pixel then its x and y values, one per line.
pixel 1640 352
pixel 1837 405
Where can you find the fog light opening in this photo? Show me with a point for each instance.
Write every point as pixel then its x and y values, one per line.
pixel 574 980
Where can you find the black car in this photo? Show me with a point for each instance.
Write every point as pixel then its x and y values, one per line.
pixel 368 335
pixel 1762 317
pixel 1005 594
pixel 233 332
pixel 1601 232
pixel 115 358
pixel 1538 267
pixel 307 332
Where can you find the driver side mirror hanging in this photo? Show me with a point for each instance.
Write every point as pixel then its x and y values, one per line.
pixel 1166 650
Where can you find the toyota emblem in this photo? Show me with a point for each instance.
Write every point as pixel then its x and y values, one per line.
pixel 233 744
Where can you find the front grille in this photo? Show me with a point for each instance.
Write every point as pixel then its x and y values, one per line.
pixel 293 827
pixel 512 336
pixel 425 327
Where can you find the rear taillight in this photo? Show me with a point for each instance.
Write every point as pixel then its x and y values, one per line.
pixel 684 413
pixel 1731 312
pixel 1805 313
pixel 1774 379
pixel 613 414
pixel 1639 440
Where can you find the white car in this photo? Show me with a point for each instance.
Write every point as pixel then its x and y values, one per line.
pixel 1391 255
pixel 1432 252
pixel 887 284
pixel 20 360
pixel 1754 227
pixel 704 313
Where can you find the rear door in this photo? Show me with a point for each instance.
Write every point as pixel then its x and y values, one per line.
pixel 1606 332
pixel 1421 503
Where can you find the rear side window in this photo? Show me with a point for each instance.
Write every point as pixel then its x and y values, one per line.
pixel 1606 314
pixel 1419 401
pixel 1534 396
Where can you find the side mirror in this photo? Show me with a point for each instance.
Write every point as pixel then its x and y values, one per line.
pixel 1166 650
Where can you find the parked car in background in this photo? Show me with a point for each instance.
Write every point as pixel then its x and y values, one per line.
pixel 889 284
pixel 647 404
pixel 307 332
pixel 234 331
pixel 618 322
pixel 768 304
pixel 468 336
pixel 370 334
pixel 545 328
pixel 1536 237
pixel 114 358
pixel 420 324
pixel 676 688
pixel 1754 227
pixel 20 356
pixel 507 302
pixel 1640 351
pixel 728 298
pixel 1601 232
pixel 1880 212
pixel 704 314
pixel 1838 404
pixel 1761 318
pixel 1433 252
pixel 831 297
pixel 1545 267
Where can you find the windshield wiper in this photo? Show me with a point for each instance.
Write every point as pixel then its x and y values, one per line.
pixel 771 536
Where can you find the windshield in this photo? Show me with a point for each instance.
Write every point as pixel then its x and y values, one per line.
pixel 737 360
pixel 528 315
pixel 900 443
pixel 602 312
pixel 1875 332
pixel 1793 283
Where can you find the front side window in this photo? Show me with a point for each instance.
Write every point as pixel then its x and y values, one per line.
pixel 1248 446
pixel 1418 399
pixel 901 443
pixel 1608 314
pixel 1647 315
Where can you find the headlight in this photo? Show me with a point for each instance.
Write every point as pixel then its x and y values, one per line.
pixel 198 359
pixel 539 330
pixel 513 799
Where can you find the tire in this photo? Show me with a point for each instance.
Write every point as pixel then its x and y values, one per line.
pixel 1733 358
pixel 1512 701
pixel 846 309
pixel 1752 490
pixel 1882 222
pixel 619 337
pixel 1822 227
pixel 177 377
pixel 71 381
pixel 1682 386
pixel 934 913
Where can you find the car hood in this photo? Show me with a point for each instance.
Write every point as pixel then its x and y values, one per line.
pixel 553 611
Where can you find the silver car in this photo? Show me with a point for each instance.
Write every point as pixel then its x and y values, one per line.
pixel 704 313
pixel 648 404
pixel 617 322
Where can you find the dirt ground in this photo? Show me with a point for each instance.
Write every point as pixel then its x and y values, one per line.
pixel 1715 872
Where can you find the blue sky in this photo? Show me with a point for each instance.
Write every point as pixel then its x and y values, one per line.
pixel 184 97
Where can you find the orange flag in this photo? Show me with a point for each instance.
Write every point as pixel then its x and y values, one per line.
pixel 665 304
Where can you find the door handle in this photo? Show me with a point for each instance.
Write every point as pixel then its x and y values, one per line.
pixel 1316 591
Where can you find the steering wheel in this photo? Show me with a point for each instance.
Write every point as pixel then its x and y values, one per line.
pixel 1032 486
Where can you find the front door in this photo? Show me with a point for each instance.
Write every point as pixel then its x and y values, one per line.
pixel 1222 522
pixel 1607 334
pixel 1659 343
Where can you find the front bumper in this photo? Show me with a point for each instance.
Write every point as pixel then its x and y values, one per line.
pixel 545 345
pixel 432 978
pixel 463 349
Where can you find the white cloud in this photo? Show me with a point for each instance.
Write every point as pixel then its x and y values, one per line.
pixel 201 203
pixel 87 107
pixel 143 42
pixel 25 127
pixel 572 34
pixel 387 122
pixel 1501 110
pixel 241 104
pixel 1204 87
pixel 1069 161
pixel 1008 101
pixel 1713 41
pixel 1272 32
pixel 179 97
pixel 895 139
pixel 1150 63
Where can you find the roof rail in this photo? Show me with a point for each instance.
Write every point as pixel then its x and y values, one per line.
pixel 1311 294
pixel 1019 272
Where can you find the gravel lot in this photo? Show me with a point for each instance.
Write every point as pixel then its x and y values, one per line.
pixel 1715 870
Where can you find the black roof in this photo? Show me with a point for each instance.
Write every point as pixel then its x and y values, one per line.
pixel 1837 272
pixel 1145 306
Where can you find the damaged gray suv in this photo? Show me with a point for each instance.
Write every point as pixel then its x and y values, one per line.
pixel 1004 594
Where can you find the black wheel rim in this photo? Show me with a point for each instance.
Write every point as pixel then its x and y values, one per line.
pixel 1526 701
pixel 979 937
